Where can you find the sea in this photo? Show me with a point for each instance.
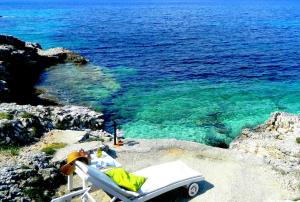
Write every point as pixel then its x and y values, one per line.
pixel 195 70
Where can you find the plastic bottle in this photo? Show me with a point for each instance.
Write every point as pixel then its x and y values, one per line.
pixel 99 153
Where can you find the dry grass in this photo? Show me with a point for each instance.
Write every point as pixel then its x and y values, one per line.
pixel 50 149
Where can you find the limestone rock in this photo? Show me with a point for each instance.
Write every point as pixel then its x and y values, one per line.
pixel 275 142
pixel 62 54
pixel 23 124
pixel 4 91
pixel 32 45
pixel 10 40
pixel 30 179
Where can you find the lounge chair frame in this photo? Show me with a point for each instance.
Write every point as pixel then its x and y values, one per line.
pixel 86 173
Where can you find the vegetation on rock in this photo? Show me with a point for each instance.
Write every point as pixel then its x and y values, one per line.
pixel 50 149
pixel 26 115
pixel 4 115
pixel 7 149
pixel 36 194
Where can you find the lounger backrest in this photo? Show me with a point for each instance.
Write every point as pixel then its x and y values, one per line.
pixel 103 179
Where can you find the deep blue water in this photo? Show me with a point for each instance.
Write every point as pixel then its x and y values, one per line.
pixel 193 70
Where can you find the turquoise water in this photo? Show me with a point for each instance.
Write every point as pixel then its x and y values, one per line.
pixel 191 70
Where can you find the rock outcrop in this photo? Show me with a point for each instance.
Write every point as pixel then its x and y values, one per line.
pixel 21 64
pixel 23 181
pixel 34 175
pixel 4 92
pixel 62 55
pixel 24 124
pixel 275 142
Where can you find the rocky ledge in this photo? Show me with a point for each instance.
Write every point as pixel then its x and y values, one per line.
pixel 24 124
pixel 23 181
pixel 34 175
pixel 277 142
pixel 31 174
pixel 271 147
pixel 21 64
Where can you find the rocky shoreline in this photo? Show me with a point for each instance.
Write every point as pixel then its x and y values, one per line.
pixel 33 178
pixel 275 142
pixel 32 174
pixel 24 124
pixel 21 64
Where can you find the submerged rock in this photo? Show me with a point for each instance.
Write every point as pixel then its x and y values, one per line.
pixel 275 142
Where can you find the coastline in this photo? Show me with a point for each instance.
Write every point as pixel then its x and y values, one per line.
pixel 21 65
pixel 253 159
pixel 270 147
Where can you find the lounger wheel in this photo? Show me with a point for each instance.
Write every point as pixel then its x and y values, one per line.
pixel 193 189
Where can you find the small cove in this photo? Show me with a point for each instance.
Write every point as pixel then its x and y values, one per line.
pixel 198 71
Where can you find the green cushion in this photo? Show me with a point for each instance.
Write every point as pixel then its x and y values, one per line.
pixel 126 180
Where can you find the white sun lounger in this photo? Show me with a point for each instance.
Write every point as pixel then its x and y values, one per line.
pixel 160 179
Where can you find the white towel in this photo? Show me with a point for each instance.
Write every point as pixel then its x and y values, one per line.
pixel 104 161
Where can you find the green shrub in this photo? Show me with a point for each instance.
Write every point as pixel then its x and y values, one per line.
pixel 60 126
pixel 50 149
pixel 298 140
pixel 26 115
pixel 4 115
pixel 35 130
pixel 12 150
pixel 36 194
pixel 297 198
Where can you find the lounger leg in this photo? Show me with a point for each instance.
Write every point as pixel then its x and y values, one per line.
pixel 70 196
pixel 84 186
pixel 113 199
pixel 70 182
pixel 87 196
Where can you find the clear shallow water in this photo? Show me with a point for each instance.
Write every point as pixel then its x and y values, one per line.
pixel 196 70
